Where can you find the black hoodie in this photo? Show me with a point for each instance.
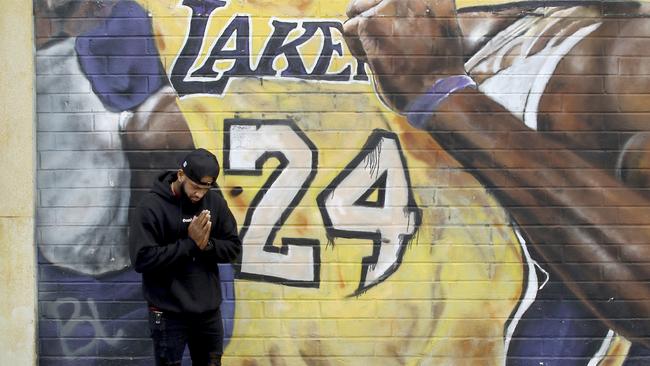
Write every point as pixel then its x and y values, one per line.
pixel 176 275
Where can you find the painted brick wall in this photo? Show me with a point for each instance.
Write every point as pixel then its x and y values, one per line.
pixel 450 183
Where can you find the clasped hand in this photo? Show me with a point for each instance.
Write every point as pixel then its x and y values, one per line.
pixel 199 229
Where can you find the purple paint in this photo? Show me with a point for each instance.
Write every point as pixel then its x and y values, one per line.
pixel 120 58
pixel 421 109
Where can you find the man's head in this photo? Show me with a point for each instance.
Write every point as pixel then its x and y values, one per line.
pixel 198 173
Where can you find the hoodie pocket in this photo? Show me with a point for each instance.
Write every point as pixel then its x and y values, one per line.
pixel 197 289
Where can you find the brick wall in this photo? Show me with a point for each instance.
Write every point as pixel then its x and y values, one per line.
pixel 508 227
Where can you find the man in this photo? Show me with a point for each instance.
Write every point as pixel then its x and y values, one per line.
pixel 179 232
pixel 548 108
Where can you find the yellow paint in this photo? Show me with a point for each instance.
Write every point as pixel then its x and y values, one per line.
pixel 17 248
pixel 617 352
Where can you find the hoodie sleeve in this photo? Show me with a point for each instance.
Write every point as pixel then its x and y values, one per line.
pixel 224 239
pixel 148 252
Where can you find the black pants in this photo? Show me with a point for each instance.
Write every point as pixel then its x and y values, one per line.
pixel 202 333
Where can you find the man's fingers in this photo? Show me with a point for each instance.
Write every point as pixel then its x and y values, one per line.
pixel 197 220
pixel 202 237
pixel 206 235
pixel 204 218
pixel 357 7
pixel 205 232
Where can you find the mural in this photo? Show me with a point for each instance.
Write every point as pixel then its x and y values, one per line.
pixel 417 182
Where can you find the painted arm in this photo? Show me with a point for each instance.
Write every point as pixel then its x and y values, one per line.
pixel 590 228
pixel 587 225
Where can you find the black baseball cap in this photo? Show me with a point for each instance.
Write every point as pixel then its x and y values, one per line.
pixel 200 163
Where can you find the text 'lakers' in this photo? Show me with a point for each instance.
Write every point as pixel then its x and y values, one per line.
pixel 229 55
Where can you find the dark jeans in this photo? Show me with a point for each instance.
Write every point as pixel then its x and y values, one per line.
pixel 202 333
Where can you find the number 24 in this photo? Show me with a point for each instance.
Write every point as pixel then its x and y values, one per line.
pixel 389 220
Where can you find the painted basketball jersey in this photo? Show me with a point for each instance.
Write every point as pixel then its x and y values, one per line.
pixel 363 239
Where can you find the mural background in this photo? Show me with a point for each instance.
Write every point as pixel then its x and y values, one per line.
pixel 392 253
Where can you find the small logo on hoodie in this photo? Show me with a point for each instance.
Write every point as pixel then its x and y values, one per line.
pixel 187 220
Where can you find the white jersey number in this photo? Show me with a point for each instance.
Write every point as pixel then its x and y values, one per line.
pixel 372 199
pixel 248 145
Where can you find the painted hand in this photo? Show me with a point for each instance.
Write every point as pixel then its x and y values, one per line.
pixel 409 44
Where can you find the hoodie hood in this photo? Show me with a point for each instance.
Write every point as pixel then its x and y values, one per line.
pixel 162 188
pixel 162 185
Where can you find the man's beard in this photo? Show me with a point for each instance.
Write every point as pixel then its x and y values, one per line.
pixel 186 197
